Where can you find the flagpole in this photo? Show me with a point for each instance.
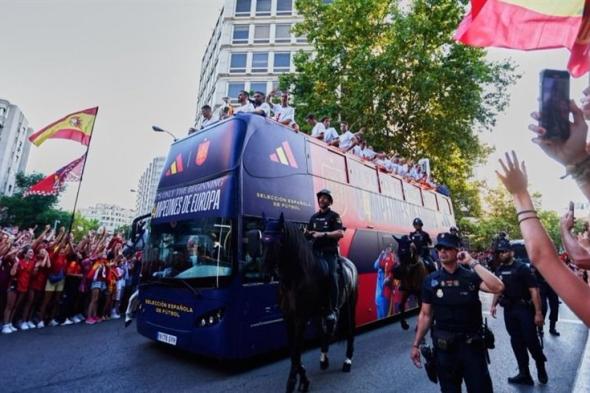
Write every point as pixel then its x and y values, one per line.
pixel 82 172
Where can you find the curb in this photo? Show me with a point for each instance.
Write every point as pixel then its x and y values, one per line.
pixel 582 383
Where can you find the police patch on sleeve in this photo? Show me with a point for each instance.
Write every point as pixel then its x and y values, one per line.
pixel 433 283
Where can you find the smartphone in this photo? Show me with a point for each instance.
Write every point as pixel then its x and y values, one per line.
pixel 554 105
pixel 572 208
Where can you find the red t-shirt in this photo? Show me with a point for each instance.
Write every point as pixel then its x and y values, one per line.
pixel 39 279
pixel 58 263
pixel 73 268
pixel 23 274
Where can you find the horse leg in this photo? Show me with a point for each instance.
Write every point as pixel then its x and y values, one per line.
pixel 324 347
pixel 402 309
pixel 300 339
pixel 351 324
pixel 291 335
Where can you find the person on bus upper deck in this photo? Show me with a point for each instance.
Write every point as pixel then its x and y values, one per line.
pixel 318 129
pixel 346 138
pixel 325 228
pixel 330 135
pixel 283 113
pixel 260 106
pixel 208 116
pixel 422 241
pixel 244 103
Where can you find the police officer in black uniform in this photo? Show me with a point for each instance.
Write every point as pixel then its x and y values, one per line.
pixel 522 311
pixel 422 241
pixel 451 306
pixel 325 228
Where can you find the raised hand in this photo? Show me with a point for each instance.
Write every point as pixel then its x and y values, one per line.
pixel 515 177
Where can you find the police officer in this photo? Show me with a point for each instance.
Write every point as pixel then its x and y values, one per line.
pixel 422 241
pixel 522 311
pixel 451 306
pixel 325 228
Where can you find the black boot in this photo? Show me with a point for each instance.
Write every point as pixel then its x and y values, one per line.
pixel 552 330
pixel 542 373
pixel 521 379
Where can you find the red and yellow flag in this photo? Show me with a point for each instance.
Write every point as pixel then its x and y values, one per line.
pixel 76 126
pixel 530 25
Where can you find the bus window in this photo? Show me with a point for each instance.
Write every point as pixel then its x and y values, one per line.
pixel 364 249
pixel 429 200
pixel 363 176
pixel 190 249
pixel 326 163
pixel 250 268
pixel 391 186
pixel 413 194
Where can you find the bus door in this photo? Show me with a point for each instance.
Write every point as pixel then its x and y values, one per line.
pixel 262 322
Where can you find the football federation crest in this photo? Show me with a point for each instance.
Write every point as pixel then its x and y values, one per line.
pixel 202 152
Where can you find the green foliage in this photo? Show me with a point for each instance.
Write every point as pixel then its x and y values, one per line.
pixel 83 225
pixel 500 215
pixel 400 75
pixel 32 210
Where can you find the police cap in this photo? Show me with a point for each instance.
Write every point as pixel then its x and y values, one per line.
pixel 417 221
pixel 503 244
pixel 447 240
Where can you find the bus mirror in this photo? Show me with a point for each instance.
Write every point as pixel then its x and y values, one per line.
pixel 254 237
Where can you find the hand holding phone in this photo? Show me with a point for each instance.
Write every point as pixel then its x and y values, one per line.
pixel 571 208
pixel 554 104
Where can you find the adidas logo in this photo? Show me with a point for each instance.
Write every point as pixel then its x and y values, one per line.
pixel 284 155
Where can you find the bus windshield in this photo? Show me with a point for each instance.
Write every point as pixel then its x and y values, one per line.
pixel 190 249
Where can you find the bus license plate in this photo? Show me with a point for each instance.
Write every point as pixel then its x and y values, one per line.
pixel 167 338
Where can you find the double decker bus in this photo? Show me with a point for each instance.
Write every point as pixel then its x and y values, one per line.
pixel 202 290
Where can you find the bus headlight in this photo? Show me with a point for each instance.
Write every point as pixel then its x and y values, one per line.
pixel 209 319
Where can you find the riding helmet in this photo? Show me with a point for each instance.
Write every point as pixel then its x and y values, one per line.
pixel 325 192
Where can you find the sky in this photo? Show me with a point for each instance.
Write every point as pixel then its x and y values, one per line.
pixel 139 61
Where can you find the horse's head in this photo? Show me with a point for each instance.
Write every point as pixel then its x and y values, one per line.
pixel 406 249
pixel 272 241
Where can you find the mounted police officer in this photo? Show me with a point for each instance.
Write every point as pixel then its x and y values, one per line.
pixel 422 241
pixel 522 311
pixel 325 228
pixel 451 306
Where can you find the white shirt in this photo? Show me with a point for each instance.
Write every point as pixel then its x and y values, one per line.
pixel 208 122
pixel 318 130
pixel 247 107
pixel 346 140
pixel 330 135
pixel 357 151
pixel 282 113
pixel 264 107
pixel 368 153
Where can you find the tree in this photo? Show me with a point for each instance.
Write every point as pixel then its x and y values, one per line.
pixel 32 210
pixel 83 225
pixel 398 73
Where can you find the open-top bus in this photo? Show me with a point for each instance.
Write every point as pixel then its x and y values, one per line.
pixel 202 290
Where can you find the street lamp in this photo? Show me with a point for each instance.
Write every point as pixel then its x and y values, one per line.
pixel 160 129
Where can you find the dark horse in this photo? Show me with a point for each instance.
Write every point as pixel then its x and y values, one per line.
pixel 411 272
pixel 304 296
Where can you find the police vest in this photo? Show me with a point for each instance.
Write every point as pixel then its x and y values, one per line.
pixel 455 300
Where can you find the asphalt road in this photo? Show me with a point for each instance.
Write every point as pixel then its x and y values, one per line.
pixel 107 357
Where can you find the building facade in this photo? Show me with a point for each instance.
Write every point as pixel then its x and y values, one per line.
pixel 251 45
pixel 14 146
pixel 110 216
pixel 147 186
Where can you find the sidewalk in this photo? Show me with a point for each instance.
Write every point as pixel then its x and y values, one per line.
pixel 582 384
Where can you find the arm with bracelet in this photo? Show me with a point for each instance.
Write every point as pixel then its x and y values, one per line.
pixel 539 246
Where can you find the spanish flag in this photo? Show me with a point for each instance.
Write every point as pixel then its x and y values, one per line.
pixel 76 126
pixel 530 25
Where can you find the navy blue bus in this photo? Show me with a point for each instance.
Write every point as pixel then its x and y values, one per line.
pixel 203 289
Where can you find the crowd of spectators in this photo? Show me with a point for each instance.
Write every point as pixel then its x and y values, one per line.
pixel 48 279
pixel 347 141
